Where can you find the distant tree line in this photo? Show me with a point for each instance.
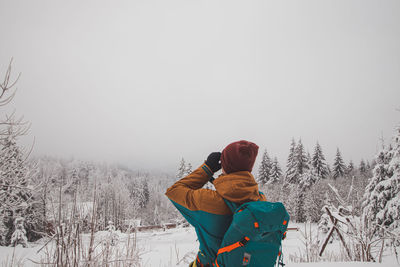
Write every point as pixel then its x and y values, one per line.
pixel 303 187
pixel 303 168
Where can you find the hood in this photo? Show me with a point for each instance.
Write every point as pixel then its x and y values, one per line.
pixel 238 187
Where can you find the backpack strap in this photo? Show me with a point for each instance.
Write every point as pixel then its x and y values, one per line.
pixel 197 263
pixel 280 258
pixel 231 205
pixel 231 247
pixel 236 245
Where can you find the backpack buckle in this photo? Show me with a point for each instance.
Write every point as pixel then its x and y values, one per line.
pixel 244 241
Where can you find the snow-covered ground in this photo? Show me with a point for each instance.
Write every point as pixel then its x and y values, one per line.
pixel 177 247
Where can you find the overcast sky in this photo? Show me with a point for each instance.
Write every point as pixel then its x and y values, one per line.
pixel 144 83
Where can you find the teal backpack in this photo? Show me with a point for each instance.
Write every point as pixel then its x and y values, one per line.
pixel 254 236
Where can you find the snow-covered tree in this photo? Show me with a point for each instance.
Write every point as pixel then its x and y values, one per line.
pixel 381 199
pixel 300 195
pixel 264 170
pixel 120 196
pixel 350 168
pixel 145 194
pixel 182 169
pixel 315 200
pixel 276 172
pixel 16 189
pixel 298 162
pixel 329 170
pixel 306 180
pixel 372 203
pixel 12 167
pixel 368 166
pixel 324 222
pixel 301 159
pixel 363 167
pixel 188 169
pixel 17 194
pixel 319 163
pixel 291 163
pixel 19 234
pixel 6 96
pixel 71 179
pixel 339 168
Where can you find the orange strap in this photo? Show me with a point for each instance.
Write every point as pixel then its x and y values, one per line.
pixel 197 263
pixel 233 246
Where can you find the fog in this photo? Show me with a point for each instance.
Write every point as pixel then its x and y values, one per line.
pixel 145 83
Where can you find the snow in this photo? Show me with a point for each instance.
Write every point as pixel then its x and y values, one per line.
pixel 177 247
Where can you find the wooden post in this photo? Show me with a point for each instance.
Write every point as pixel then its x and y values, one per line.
pixel 328 237
pixel 334 221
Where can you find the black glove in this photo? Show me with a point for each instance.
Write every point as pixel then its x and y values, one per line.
pixel 213 161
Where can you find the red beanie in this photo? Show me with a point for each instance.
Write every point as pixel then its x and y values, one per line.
pixel 239 156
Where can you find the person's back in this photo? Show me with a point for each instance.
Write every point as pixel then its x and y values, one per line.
pixel 206 209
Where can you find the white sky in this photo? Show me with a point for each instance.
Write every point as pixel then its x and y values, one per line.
pixel 145 83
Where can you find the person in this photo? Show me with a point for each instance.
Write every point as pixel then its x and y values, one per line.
pixel 205 209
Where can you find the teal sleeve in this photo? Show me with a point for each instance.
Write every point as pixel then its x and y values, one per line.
pixel 210 229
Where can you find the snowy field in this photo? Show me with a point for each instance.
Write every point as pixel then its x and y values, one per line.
pixel 177 247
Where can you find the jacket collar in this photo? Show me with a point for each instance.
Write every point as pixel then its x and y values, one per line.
pixel 238 187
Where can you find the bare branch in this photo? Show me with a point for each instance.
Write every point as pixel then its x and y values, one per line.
pixel 30 150
pixel 8 99
pixel 6 86
pixel 14 127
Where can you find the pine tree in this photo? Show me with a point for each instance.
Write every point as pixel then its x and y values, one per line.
pixel 301 159
pixel 302 178
pixel 339 168
pixel 381 199
pixel 145 195
pixel 372 204
pixel 306 180
pixel 300 164
pixel 315 201
pixel 182 169
pixel 350 169
pixel 329 170
pixel 319 163
pixel 264 170
pixel 309 160
pixel 19 235
pixel 276 172
pixel 15 192
pixel 389 217
pixel 363 167
pixel 297 163
pixel 300 209
pixel 325 222
pixel 309 177
pixel 291 163
pixel 188 169
pixel 368 166
pixel 72 180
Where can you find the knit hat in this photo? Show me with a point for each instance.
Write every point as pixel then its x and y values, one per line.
pixel 239 156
